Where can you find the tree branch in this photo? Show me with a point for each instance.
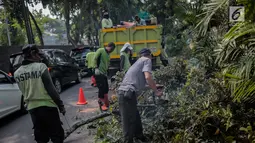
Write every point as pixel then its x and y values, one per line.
pixel 83 122
pixel 39 32
pixel 67 23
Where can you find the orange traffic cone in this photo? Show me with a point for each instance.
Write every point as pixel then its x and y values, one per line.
pixel 82 100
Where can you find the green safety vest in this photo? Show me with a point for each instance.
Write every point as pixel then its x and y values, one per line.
pixel 30 83
pixel 103 58
pixel 90 59
pixel 107 23
pixel 127 64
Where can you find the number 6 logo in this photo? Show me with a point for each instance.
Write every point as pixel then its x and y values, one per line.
pixel 236 13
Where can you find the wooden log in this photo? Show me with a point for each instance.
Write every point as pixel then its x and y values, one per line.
pixel 92 119
pixel 83 122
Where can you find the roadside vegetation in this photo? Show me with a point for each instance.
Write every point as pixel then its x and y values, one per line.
pixel 209 85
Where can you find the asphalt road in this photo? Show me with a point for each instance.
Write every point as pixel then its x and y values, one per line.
pixel 17 128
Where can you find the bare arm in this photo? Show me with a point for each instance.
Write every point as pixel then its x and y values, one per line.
pixel 150 81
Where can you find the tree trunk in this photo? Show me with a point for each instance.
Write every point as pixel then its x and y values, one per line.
pixel 96 25
pixel 67 23
pixel 39 32
pixel 81 27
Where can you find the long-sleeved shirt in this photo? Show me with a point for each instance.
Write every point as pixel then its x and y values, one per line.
pixel 90 59
pixel 102 60
pixel 124 62
pixel 36 85
pixel 107 23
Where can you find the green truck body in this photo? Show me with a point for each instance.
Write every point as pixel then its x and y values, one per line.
pixel 139 37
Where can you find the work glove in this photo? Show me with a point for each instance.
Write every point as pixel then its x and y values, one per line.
pixel 97 71
pixel 62 110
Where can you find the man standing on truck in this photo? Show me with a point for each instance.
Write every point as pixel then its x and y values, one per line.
pixel 42 99
pixel 90 65
pixel 139 21
pixel 102 62
pixel 106 22
pixel 134 81
pixel 125 55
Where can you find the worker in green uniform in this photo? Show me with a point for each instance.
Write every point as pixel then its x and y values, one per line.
pixel 102 62
pixel 125 55
pixel 41 97
pixel 106 21
pixel 90 65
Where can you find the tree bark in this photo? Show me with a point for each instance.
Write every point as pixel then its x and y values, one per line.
pixel 39 32
pixel 67 23
pixel 96 25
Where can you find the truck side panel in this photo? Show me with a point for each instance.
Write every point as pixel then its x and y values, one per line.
pixel 139 37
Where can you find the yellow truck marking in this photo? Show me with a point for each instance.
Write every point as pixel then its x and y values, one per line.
pixel 135 55
pixel 145 27
pixel 134 42
pixel 135 28
pixel 114 29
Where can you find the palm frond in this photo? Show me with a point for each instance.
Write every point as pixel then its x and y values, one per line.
pixel 229 54
pixel 210 10
pixel 238 30
pixel 245 92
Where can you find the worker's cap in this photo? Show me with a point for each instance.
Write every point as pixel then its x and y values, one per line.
pixel 31 48
pixel 145 52
pixel 127 45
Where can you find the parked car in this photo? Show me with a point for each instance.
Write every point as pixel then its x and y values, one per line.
pixel 79 54
pixel 63 69
pixel 11 99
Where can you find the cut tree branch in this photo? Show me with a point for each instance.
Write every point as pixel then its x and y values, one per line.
pixel 83 122
pixel 39 32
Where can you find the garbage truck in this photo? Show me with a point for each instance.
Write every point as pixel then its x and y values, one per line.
pixel 139 37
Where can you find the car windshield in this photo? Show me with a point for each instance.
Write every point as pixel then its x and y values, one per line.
pixel 77 54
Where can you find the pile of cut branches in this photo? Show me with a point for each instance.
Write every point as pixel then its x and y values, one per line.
pixel 198 110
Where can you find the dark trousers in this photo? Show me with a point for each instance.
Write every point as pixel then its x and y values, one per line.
pixel 47 125
pixel 130 117
pixel 102 84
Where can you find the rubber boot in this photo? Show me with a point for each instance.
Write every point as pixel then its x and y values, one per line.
pixel 104 108
pixel 102 104
pixel 106 100
pixel 93 81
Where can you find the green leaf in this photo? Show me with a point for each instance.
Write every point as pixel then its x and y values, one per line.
pixel 244 129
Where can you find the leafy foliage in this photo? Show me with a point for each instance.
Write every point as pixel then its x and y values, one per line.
pixel 15 30
pixel 200 110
